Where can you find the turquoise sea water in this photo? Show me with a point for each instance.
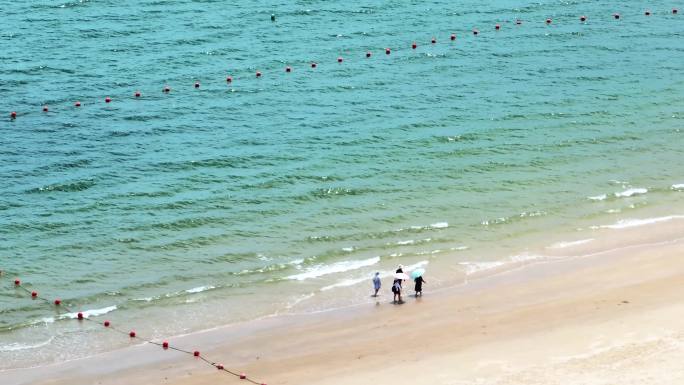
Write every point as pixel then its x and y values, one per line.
pixel 187 206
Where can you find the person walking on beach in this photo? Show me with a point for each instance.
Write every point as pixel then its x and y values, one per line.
pixel 419 285
pixel 396 290
pixel 376 283
pixel 400 269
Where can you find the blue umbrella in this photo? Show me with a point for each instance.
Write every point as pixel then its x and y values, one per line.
pixel 417 273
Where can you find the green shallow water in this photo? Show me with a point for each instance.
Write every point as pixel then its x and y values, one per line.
pixel 457 151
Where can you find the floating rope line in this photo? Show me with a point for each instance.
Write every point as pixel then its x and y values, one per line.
pixel 57 303
pixel 288 69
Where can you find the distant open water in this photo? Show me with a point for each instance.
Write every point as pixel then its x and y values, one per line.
pixel 187 206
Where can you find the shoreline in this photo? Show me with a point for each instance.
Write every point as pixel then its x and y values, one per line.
pixel 446 269
pixel 311 341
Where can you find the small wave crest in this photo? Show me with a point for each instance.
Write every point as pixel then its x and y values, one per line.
pixel 631 192
pixel 200 289
pixel 89 313
pixel 338 267
pixel 678 187
pixel 598 198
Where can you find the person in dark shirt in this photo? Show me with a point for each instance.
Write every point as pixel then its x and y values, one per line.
pixel 396 290
pixel 419 285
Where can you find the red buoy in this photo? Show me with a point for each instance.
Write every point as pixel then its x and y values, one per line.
pixel 197 85
pixel 288 69
pixel 414 45
pixel 132 334
pixel 79 315
pixel 453 36
pixel 229 79
pixel 45 108
pixel 387 51
pixel 137 94
pixel 548 21
pixel 165 345
pixel 258 74
pixel 17 282
pixel 497 27
pixel 219 367
pixel 243 376
pixel 13 115
pixel 108 99
pixel 368 54
pixel 475 32
pixel 34 294
pixel 106 324
pixel 77 104
pixel 196 353
pixel 58 302
pixel 616 16
pixel 339 59
pixel 647 13
pixel 313 65
pixel 583 18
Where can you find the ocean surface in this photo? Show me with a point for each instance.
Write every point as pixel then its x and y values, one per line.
pixel 181 211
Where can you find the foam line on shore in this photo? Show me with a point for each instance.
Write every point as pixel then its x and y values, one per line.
pixel 628 223
pixel 565 244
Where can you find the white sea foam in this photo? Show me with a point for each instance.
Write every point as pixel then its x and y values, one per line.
pixel 601 197
pixel 200 289
pixel 476 267
pixel 631 192
pixel 348 249
pixel 440 225
pixel 627 223
pixel 339 267
pixel 678 186
pixel 409 242
pixel 14 346
pixel 416 265
pixel 90 313
pixel 563 245
pixel 146 299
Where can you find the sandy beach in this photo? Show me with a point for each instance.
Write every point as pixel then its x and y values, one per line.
pixel 612 315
